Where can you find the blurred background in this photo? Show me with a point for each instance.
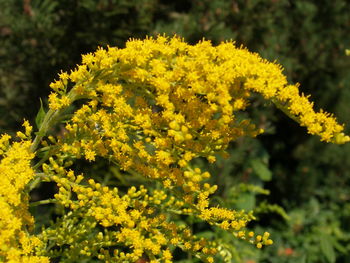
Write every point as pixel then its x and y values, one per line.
pixel 298 187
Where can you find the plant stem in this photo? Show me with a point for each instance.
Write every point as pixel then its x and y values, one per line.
pixel 50 119
pixel 43 202
pixel 47 122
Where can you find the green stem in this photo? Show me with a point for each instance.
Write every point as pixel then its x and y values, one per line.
pixel 33 184
pixel 41 162
pixel 36 181
pixel 50 119
pixel 43 202
pixel 283 108
pixel 44 127
pixel 48 152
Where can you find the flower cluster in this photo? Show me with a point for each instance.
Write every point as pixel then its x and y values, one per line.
pixel 133 223
pixel 136 223
pixel 193 91
pixel 151 109
pixel 157 104
pixel 16 245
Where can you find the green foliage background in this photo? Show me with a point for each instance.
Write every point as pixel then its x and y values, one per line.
pixel 309 179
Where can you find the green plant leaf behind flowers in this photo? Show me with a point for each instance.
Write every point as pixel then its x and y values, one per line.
pixel 326 243
pixel 261 169
pixel 40 116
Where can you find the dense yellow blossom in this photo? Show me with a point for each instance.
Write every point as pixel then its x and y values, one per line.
pixel 150 108
pixel 16 244
pixel 154 107
pixel 185 80
pixel 135 220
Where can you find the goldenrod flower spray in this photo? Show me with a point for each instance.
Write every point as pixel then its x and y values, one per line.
pixel 150 108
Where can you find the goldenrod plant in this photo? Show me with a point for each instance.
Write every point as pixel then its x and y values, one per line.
pixel 151 109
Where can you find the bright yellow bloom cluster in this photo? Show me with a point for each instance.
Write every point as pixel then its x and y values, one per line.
pixel 136 222
pixel 16 244
pixel 194 89
pixel 159 103
pixel 151 109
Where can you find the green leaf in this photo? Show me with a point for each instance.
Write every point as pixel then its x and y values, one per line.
pixel 246 201
pixel 206 234
pixel 302 259
pixel 40 116
pixel 327 247
pixel 261 169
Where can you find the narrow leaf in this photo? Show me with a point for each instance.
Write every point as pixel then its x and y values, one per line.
pixel 40 116
pixel 261 170
pixel 327 247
